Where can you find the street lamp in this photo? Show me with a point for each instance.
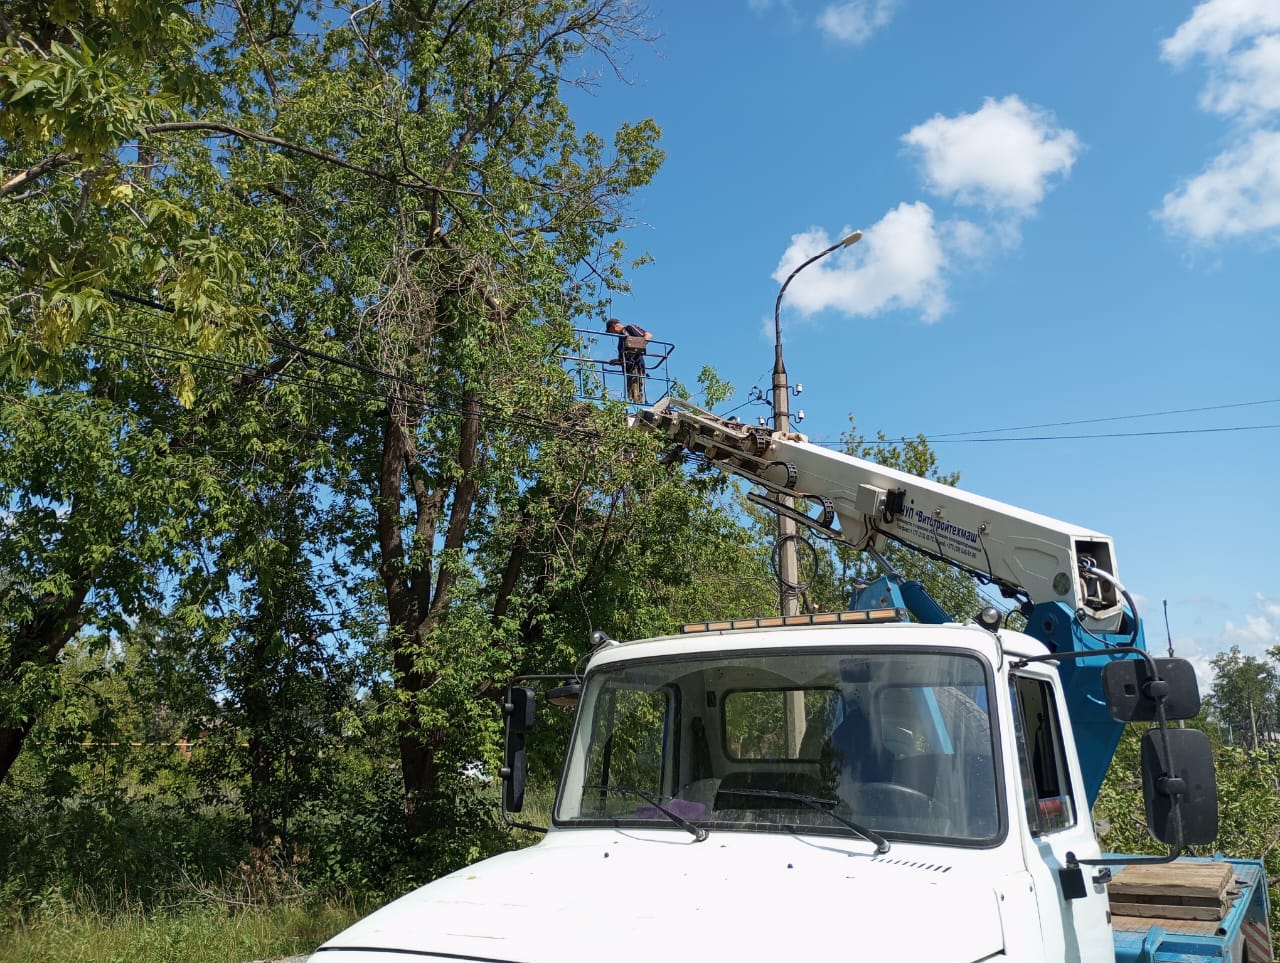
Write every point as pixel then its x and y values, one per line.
pixel 787 596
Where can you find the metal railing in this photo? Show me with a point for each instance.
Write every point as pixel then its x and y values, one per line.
pixel 599 373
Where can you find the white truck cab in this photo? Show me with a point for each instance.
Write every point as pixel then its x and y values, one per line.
pixel 884 791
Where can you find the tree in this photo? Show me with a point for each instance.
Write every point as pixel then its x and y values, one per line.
pixel 94 95
pixel 97 501
pixel 404 191
pixel 1246 695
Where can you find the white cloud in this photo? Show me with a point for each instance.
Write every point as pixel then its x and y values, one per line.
pixel 1239 192
pixel 854 21
pixel 1257 632
pixel 1254 632
pixel 1001 156
pixel 899 263
pixel 1247 84
pixel 1216 27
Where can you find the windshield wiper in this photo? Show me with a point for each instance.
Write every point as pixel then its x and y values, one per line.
pixel 699 834
pixel 821 805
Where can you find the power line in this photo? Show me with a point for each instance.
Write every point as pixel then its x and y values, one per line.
pixel 1115 434
pixel 516 420
pixel 497 413
pixel 1092 421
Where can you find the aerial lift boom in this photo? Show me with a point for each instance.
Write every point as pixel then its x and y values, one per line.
pixel 1063 575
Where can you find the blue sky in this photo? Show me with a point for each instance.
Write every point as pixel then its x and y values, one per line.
pixel 1070 214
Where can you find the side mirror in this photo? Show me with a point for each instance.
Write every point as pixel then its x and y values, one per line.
pixel 515 766
pixel 1131 693
pixel 519 709
pixel 1187 790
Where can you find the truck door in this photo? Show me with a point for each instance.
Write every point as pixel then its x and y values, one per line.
pixel 1058 822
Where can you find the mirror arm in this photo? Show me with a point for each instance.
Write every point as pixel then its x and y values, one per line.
pixel 1091 653
pixel 516 824
pixel 1073 862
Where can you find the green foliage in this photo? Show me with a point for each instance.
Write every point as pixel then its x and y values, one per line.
pixel 91 206
pixel 1248 807
pixel 1246 695
pixel 346 534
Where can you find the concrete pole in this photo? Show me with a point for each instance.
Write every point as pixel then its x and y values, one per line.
pixel 788 565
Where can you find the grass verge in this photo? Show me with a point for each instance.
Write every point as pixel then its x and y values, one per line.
pixel 198 935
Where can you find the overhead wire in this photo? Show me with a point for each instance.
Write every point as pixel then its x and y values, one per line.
pixel 497 413
pixel 518 419
pixel 1088 437
pixel 1092 421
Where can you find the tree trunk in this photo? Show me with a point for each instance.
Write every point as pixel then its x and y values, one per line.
pixel 40 641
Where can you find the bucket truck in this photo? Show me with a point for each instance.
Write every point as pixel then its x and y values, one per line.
pixel 890 782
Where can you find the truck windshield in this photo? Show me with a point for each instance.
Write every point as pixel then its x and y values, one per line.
pixel 897 741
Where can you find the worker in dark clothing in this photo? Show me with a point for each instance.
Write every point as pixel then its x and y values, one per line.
pixel 631 351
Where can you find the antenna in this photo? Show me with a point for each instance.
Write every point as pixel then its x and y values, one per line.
pixel 1168 634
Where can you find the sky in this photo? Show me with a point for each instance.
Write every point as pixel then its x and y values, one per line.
pixel 1070 216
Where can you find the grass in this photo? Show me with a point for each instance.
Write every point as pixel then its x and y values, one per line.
pixel 201 934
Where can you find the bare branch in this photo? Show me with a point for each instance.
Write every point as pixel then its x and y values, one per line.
pixel 267 75
pixel 51 163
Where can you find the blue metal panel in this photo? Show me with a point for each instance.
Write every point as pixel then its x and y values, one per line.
pixel 891 591
pixel 883 593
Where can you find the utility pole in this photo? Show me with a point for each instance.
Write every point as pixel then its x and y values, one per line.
pixel 788 597
pixel 788 565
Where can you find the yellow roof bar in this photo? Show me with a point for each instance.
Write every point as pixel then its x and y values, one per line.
pixel 855 617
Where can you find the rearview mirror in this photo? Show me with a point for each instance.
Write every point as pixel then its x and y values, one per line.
pixel 1189 788
pixel 520 708
pixel 515 766
pixel 1131 692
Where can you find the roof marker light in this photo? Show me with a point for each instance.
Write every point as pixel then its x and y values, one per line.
pixel 855 617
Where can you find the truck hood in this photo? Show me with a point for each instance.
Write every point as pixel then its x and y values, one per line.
pixel 632 896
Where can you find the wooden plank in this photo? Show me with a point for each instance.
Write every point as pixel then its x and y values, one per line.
pixel 1156 911
pixel 1134 924
pixel 1202 880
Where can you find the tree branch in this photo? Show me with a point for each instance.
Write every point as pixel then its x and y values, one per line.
pixel 464 496
pixel 31 173
pixel 214 127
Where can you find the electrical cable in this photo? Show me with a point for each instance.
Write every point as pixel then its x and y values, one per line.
pixel 1117 434
pixel 515 420
pixel 1090 421
pixel 1089 567
pixel 502 416
pixel 498 415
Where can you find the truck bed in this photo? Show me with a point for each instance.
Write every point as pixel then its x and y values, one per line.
pixel 1189 910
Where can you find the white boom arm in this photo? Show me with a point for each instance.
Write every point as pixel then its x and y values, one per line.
pixel 1022 551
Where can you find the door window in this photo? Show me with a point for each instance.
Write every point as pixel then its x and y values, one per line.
pixel 1046 786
